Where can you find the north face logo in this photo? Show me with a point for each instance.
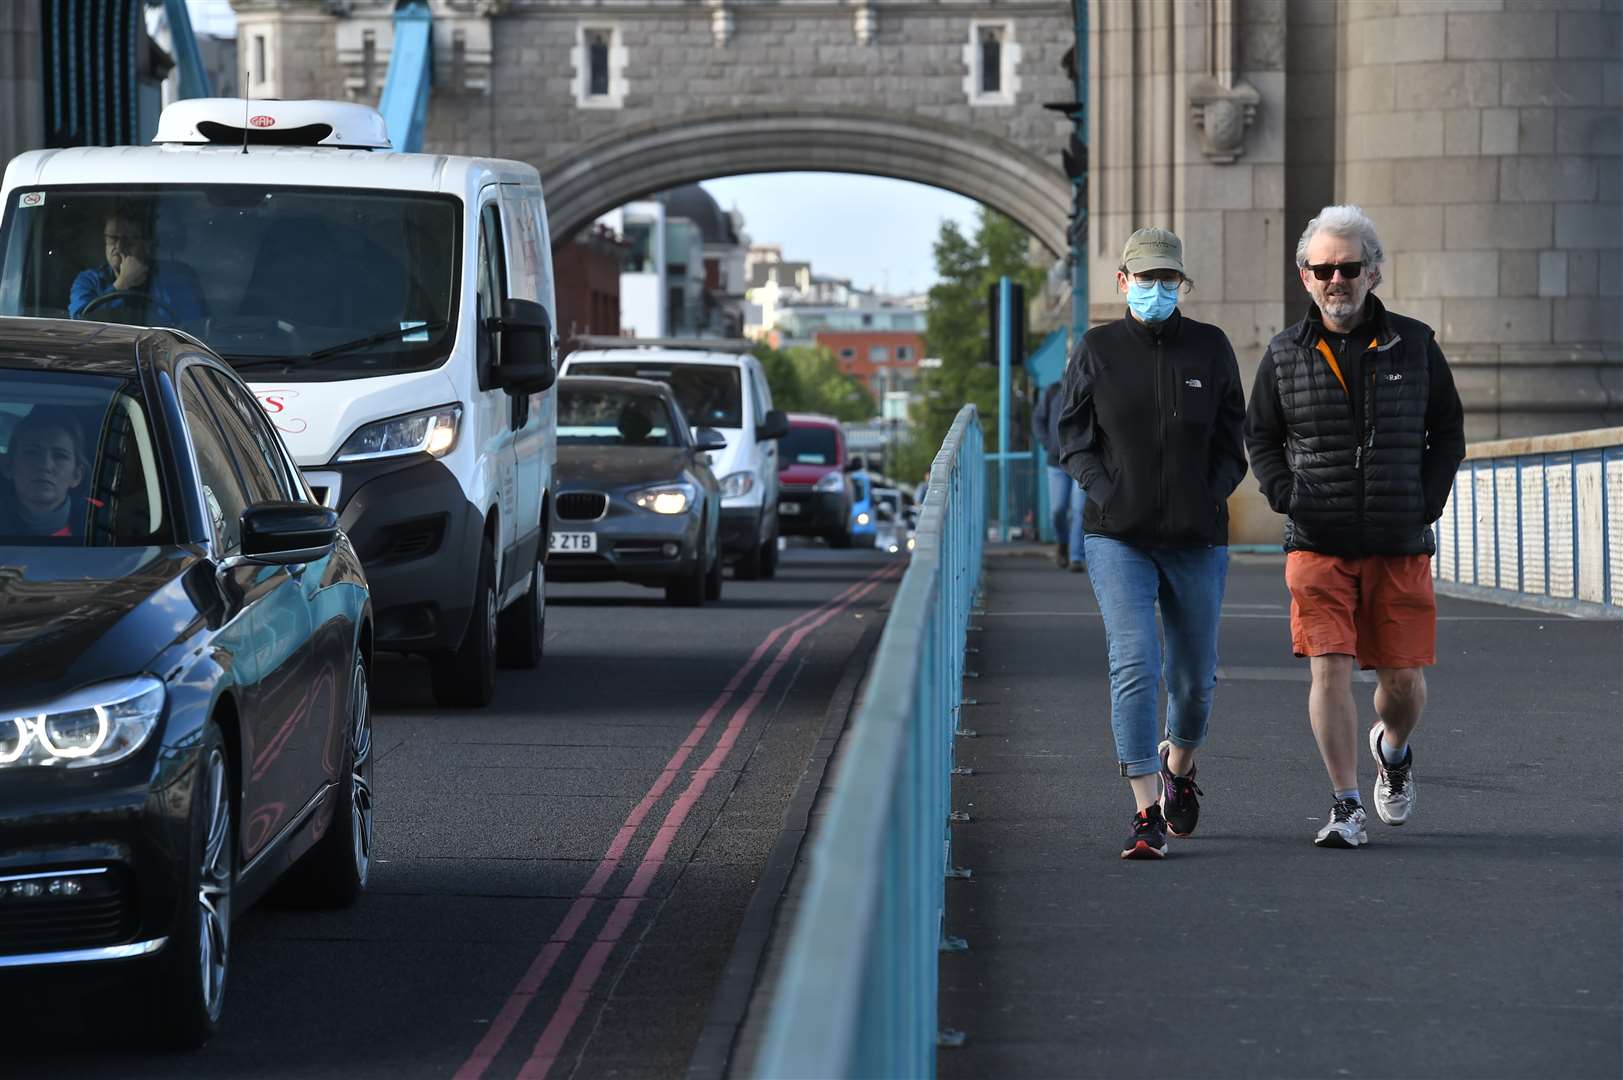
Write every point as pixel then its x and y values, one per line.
pixel 1193 384
pixel 1394 376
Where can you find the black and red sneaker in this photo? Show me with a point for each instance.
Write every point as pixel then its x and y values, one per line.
pixel 1149 836
pixel 1180 798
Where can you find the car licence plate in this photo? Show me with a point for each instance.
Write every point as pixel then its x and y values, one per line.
pixel 788 508
pixel 574 541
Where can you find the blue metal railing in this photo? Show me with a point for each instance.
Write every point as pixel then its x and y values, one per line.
pixel 404 101
pixel 1538 521
pixel 857 995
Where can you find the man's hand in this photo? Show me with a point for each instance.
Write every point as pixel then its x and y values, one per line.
pixel 132 273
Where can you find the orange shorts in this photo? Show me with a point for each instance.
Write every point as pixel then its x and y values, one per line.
pixel 1380 608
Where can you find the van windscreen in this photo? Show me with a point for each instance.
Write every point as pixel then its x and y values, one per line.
pixel 809 446
pixel 332 281
pixel 711 395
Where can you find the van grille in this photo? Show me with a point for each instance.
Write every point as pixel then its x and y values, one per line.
pixel 582 505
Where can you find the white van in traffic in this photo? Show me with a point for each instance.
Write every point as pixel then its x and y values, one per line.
pixel 393 312
pixel 719 385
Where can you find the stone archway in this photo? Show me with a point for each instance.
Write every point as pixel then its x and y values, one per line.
pixel 636 161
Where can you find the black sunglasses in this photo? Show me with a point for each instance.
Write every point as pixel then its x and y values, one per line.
pixel 1324 271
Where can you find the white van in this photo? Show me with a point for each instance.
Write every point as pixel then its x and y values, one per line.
pixel 393 312
pixel 719 385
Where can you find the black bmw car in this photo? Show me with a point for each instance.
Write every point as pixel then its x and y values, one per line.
pixel 636 500
pixel 185 637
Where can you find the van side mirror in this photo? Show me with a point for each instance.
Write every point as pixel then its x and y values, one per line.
pixel 707 439
pixel 281 533
pixel 774 425
pixel 526 331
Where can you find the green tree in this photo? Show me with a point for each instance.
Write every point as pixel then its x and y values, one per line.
pixel 957 331
pixel 807 378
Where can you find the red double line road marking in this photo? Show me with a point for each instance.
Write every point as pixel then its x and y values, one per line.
pixel 524 992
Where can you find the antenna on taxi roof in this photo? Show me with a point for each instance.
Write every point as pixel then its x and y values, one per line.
pixel 247 102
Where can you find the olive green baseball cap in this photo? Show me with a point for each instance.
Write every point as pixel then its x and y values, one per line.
pixel 1152 249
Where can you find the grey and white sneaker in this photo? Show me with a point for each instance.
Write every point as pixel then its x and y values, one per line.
pixel 1394 784
pixel 1346 827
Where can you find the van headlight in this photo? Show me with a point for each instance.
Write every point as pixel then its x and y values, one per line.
pixel 665 499
pixel 831 481
pixel 432 432
pixel 734 485
pixel 91 727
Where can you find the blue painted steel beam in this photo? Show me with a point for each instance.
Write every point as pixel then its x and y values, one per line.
pixel 404 103
pixel 194 79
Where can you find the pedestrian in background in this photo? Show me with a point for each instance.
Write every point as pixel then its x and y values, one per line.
pixel 1151 429
pixel 1064 494
pixel 1355 432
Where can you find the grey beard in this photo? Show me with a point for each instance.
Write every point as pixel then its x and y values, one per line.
pixel 1340 307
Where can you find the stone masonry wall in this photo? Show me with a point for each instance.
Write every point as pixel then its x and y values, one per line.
pixel 1486 141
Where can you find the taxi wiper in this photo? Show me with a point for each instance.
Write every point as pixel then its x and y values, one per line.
pixel 392 334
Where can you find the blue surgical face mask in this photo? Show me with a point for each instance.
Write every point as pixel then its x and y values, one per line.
pixel 1154 301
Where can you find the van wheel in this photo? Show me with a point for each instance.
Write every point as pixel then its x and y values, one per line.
pixel 333 873
pixel 712 580
pixel 769 556
pixel 186 991
pixel 466 677
pixel 521 630
pixel 748 566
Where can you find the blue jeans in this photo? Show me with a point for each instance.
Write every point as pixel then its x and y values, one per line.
pixel 1065 504
pixel 1188 582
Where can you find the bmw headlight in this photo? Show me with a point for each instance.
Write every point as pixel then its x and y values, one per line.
pixel 432 431
pixel 91 727
pixel 734 485
pixel 832 481
pixel 665 499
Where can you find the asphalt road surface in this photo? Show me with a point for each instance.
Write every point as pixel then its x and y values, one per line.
pixel 560 877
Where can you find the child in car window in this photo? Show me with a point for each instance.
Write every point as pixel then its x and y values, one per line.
pixel 46 461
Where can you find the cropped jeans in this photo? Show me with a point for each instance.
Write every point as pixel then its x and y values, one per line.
pixel 1065 498
pixel 1188 584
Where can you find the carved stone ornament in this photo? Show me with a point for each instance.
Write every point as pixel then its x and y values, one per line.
pixel 721 22
pixel 865 22
pixel 1223 113
pixel 463 51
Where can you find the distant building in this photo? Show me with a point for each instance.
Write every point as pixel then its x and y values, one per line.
pixel 587 272
pixel 684 274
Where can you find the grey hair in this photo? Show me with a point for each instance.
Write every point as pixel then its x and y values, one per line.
pixel 1343 221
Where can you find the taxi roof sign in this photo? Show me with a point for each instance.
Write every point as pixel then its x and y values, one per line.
pixel 261 122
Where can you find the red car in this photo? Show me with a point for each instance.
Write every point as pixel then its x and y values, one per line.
pixel 814 492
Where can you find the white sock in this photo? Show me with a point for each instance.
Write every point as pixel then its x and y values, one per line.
pixel 1393 755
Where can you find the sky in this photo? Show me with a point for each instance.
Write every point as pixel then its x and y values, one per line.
pixel 873 231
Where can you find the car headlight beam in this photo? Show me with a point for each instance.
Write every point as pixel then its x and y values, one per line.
pixel 666 499
pixel 432 432
pixel 95 726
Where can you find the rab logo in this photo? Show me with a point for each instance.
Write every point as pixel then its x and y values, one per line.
pixel 1394 376
pixel 262 121
pixel 1193 384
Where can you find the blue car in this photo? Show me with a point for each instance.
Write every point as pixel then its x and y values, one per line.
pixel 864 527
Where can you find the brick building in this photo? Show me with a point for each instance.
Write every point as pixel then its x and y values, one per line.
pixel 882 359
pixel 587 275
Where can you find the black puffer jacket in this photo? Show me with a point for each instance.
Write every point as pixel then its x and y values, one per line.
pixel 1151 428
pixel 1366 468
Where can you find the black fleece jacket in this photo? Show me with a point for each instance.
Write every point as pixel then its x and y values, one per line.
pixel 1151 428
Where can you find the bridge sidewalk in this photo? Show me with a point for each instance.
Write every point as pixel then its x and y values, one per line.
pixel 1480 940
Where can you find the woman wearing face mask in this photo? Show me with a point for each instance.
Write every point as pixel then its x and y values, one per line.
pixel 1151 428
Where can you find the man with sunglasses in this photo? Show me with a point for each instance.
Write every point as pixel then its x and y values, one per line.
pixel 1355 432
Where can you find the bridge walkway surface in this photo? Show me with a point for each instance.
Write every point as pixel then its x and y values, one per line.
pixel 1482 939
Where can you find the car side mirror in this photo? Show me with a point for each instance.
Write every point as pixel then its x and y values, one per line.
pixel 282 533
pixel 774 425
pixel 707 439
pixel 526 331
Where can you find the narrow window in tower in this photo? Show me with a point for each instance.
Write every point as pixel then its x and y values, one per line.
pixel 991 59
pixel 259 60
pixel 597 50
